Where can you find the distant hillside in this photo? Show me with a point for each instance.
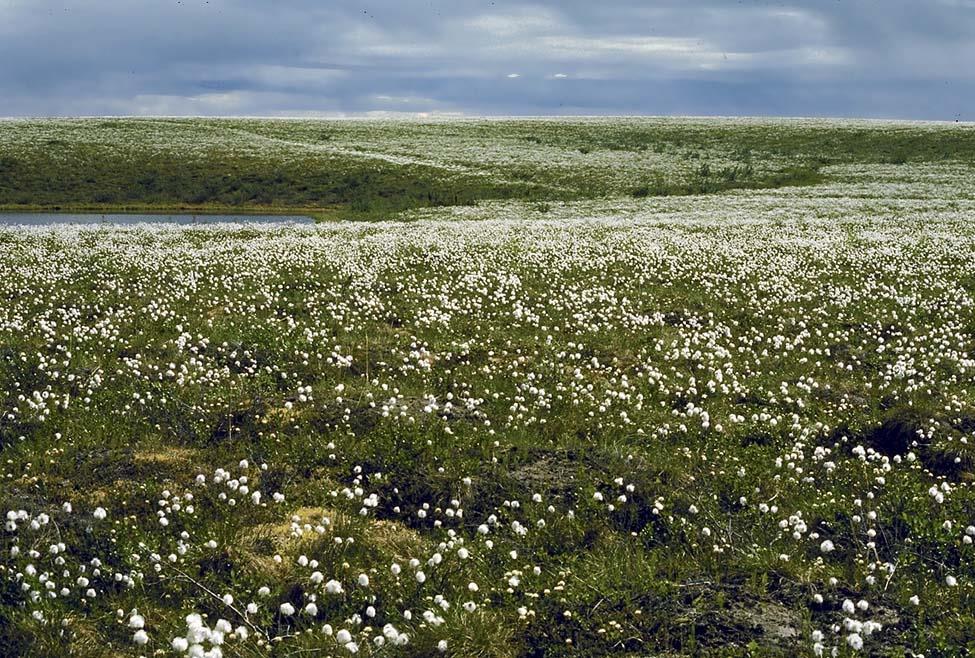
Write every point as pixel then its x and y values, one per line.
pixel 364 168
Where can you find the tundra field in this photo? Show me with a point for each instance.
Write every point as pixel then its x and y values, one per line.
pixel 644 387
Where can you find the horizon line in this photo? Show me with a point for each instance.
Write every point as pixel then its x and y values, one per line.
pixel 378 115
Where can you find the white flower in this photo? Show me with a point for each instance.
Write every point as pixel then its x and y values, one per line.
pixel 855 641
pixel 343 636
pixel 827 546
pixel 140 638
pixel 100 513
pixel 333 587
pixel 363 580
pixel 137 622
pixel 287 609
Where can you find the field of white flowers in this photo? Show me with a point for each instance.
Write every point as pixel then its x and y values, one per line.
pixel 374 169
pixel 737 424
pixel 503 150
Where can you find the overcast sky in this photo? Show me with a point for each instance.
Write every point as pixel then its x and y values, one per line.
pixel 881 58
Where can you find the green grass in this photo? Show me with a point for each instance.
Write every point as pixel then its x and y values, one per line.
pixel 134 359
pixel 333 168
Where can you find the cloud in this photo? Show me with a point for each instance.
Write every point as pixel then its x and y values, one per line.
pixel 520 22
pixel 898 58
pixel 588 47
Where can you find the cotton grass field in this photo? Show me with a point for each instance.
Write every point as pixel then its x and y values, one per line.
pixel 629 387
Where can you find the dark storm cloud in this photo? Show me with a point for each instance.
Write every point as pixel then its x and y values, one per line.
pixel 896 58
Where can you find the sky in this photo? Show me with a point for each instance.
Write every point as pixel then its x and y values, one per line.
pixel 912 59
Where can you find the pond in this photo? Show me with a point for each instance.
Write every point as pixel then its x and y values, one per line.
pixel 45 219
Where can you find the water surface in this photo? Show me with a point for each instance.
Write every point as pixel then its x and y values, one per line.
pixel 47 218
